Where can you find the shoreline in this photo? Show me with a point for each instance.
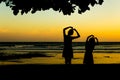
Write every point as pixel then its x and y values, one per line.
pixel 99 58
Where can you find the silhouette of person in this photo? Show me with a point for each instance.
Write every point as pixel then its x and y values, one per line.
pixel 91 41
pixel 67 50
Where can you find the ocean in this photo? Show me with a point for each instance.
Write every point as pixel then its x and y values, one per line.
pixel 51 53
pixel 79 47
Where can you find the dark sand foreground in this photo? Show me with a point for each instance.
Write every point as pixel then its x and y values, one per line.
pixel 59 72
pixel 26 70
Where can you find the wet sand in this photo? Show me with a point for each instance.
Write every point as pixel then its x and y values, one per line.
pixel 56 58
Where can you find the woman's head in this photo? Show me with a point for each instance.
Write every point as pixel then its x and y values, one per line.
pixel 70 32
pixel 92 40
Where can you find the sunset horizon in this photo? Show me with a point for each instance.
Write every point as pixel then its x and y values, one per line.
pixel 101 21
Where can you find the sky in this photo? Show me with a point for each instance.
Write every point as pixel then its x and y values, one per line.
pixel 103 21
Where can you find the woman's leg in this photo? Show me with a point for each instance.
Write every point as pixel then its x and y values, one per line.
pixel 67 60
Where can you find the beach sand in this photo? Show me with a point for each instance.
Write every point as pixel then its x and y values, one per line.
pixel 99 58
pixel 44 68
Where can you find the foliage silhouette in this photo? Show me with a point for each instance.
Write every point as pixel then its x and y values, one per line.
pixel 65 6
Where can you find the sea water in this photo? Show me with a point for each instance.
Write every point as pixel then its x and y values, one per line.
pixel 79 47
pixel 53 48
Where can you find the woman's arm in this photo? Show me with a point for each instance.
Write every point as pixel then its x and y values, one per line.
pixel 66 29
pixel 89 37
pixel 78 35
pixel 96 40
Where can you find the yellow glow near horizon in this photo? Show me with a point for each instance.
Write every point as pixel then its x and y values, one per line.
pixel 102 20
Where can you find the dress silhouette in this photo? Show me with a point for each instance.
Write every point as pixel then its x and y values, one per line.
pixel 89 47
pixel 67 50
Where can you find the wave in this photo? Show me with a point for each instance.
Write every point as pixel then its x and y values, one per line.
pixel 103 47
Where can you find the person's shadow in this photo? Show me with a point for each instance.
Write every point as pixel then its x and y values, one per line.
pixel 91 41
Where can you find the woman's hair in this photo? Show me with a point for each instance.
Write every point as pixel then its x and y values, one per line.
pixel 70 32
pixel 92 40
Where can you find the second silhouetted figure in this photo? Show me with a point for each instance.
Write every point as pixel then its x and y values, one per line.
pixel 89 47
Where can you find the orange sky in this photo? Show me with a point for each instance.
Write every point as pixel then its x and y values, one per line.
pixel 102 20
